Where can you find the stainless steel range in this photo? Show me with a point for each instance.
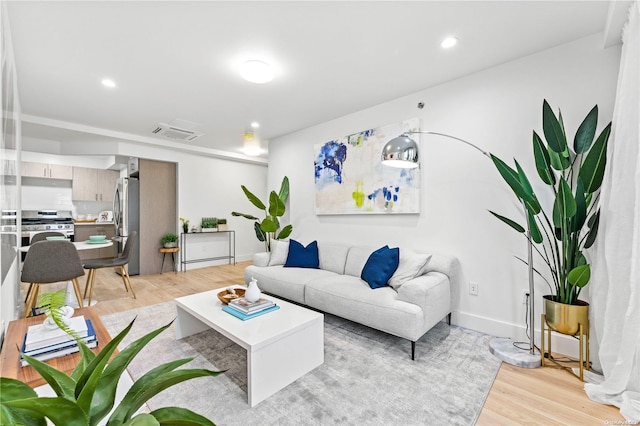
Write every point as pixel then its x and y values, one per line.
pixel 36 221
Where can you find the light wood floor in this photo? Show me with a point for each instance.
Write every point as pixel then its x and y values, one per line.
pixel 542 396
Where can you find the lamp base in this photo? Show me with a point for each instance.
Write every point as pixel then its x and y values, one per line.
pixel 503 349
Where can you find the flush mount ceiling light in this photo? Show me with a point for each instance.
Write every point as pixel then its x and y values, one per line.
pixel 257 71
pixel 255 125
pixel 107 82
pixel 251 145
pixel 449 42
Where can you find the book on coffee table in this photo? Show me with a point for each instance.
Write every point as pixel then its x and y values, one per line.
pixel 245 317
pixel 245 307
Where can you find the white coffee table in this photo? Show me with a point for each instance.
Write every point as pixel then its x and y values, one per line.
pixel 281 346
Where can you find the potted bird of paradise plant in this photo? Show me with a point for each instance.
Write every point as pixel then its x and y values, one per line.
pixel 573 174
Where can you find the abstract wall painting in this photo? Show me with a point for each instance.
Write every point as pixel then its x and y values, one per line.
pixel 349 178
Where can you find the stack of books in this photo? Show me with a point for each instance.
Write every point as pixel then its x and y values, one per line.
pixel 44 343
pixel 246 310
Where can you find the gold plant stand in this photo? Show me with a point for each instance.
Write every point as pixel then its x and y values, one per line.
pixel 583 338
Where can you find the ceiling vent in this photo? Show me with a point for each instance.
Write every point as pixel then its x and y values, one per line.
pixel 176 133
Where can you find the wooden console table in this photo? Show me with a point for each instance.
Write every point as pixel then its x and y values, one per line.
pixel 10 355
pixel 231 253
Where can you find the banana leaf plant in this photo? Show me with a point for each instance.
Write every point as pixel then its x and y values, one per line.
pixel 87 395
pixel 573 176
pixel 269 227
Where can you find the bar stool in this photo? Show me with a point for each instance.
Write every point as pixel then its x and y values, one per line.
pixel 172 250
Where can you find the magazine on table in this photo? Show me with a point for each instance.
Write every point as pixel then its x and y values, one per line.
pixel 236 313
pixel 242 305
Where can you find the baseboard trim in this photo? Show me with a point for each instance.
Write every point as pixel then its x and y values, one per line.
pixel 560 343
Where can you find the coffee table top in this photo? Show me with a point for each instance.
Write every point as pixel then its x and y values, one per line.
pixel 254 333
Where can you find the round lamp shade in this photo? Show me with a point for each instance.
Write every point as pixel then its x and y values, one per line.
pixel 401 152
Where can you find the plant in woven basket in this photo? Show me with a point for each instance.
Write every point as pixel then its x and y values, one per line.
pixel 87 395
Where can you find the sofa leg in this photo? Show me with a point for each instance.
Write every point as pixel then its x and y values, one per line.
pixel 413 350
pixel 449 318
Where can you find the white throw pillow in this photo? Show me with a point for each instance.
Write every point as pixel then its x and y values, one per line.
pixel 279 252
pixel 411 265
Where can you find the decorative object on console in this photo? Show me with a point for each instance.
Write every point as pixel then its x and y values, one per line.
pixel 185 225
pixel 302 257
pixel 350 180
pixel 253 293
pixel 209 224
pixel 267 229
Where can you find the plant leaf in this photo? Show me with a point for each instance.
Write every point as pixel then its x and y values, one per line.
pixel 60 383
pixel 592 170
pixel 564 206
pixel 105 391
pixel 536 235
pixel 284 189
pixel 268 225
pixel 259 232
pixel 254 200
pixel 593 224
pixel 165 381
pixel 559 161
pixel 586 132
pixel 143 419
pixel 580 275
pixel 119 415
pixel 531 201
pixel 285 232
pixel 276 205
pixel 543 162
pixel 510 176
pixel 552 129
pixel 180 416
pixel 581 208
pixel 13 389
pixel 245 215
pixel 515 225
pixel 60 410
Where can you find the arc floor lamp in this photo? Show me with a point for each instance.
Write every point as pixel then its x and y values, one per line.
pixel 403 152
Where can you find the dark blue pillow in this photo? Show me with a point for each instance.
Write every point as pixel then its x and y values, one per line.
pixel 302 257
pixel 380 266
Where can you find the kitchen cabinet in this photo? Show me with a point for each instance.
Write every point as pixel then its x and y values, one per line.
pixel 93 184
pixel 44 170
pixel 82 232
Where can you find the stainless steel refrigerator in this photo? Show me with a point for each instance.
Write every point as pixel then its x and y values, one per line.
pixel 126 215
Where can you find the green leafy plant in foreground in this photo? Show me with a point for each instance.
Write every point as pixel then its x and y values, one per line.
pixel 267 228
pixel 87 395
pixel 573 176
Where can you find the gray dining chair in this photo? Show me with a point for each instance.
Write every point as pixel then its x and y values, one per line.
pixel 41 236
pixel 50 262
pixel 119 262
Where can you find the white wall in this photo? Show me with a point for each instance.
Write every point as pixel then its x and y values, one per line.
pixel 497 109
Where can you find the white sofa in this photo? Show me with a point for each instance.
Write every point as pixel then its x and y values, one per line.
pixel 417 298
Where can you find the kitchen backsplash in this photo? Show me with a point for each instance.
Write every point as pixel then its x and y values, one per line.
pixel 39 197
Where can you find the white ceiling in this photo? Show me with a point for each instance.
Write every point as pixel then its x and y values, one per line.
pixel 176 60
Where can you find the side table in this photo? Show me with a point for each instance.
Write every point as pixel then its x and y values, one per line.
pixel 164 251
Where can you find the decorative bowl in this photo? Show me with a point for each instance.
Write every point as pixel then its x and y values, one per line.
pixel 225 296
pixel 97 237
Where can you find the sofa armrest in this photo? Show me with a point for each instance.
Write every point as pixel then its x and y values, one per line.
pixel 425 289
pixel 261 259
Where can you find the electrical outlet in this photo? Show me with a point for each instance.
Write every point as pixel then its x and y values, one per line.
pixel 525 297
pixel 473 288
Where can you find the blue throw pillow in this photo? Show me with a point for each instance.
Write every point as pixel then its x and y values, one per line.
pixel 302 257
pixel 380 266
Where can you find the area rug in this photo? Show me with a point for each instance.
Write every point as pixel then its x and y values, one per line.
pixel 368 377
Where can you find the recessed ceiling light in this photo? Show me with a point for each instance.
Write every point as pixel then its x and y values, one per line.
pixel 255 124
pixel 257 71
pixel 449 42
pixel 107 82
